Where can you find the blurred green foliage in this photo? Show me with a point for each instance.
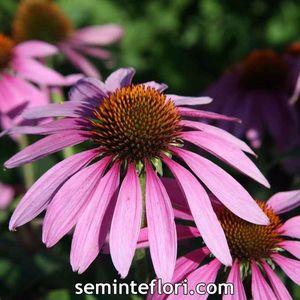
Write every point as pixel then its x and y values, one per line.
pixel 185 43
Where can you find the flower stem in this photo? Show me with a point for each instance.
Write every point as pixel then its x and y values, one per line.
pixel 28 170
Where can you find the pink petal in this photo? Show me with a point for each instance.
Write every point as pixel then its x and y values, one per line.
pixel 291 228
pixel 88 89
pixel 158 86
pixel 6 195
pixel 126 222
pixel 284 201
pixel 92 226
pixel 202 211
pixel 161 226
pixel 259 287
pixel 234 277
pixel 120 78
pixel 291 246
pixel 46 146
pixel 38 196
pixel 9 91
pixel 226 152
pixel 70 202
pixel 218 132
pixel 178 200
pixel 184 265
pixel 197 113
pixel 35 49
pixel 48 128
pixel 36 72
pixel 66 109
pixel 96 52
pixel 80 61
pixel 182 100
pixel 27 91
pixel 205 274
pixel 222 185
pixel 99 35
pixel 290 267
pixel 278 287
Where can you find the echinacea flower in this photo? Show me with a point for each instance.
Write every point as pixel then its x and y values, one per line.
pixel 6 195
pixel 19 68
pixel 256 250
pixel 44 20
pixel 256 91
pixel 135 129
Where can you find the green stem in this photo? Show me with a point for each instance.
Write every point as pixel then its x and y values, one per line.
pixel 28 171
pixel 58 97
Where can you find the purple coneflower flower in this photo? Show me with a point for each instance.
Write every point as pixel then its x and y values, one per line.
pixel 44 20
pixel 255 249
pixel 256 91
pixel 19 67
pixel 135 128
pixel 6 195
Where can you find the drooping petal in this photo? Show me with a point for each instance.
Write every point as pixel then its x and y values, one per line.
pixel 46 146
pixel 226 152
pixel 40 194
pixel 202 211
pixel 234 278
pixel 99 35
pixel 284 201
pixel 224 187
pixel 290 267
pixel 35 49
pixel 32 70
pixel 126 222
pixel 161 226
pixel 27 91
pixel 88 90
pixel 278 287
pixel 95 52
pixel 218 132
pixel 259 286
pixel 291 246
pixel 70 202
pixel 206 274
pixel 291 227
pixel 6 195
pixel 190 112
pixel 120 78
pixel 66 109
pixel 48 128
pixel 158 86
pixel 80 61
pixel 93 225
pixel 182 100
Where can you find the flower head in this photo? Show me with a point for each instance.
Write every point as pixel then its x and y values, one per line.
pixel 136 129
pixel 255 250
pixel 44 20
pixel 257 90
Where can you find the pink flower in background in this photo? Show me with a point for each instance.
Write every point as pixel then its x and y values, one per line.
pixel 255 250
pixel 6 195
pixel 256 91
pixel 44 20
pixel 135 129
pixel 18 68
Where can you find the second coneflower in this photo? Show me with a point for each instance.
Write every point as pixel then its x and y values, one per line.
pixel 136 128
pixel 44 20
